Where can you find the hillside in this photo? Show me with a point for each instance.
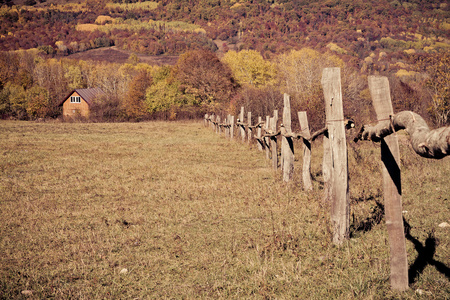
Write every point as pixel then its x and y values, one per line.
pixel 372 35
pixel 233 53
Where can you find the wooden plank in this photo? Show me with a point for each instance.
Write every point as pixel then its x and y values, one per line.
pixel 241 120
pixel 249 129
pixel 266 139
pixel 231 127
pixel 392 192
pixel 259 134
pixel 331 83
pixel 225 128
pixel 217 124
pixel 273 140
pixel 326 170
pixel 306 169
pixel 212 118
pixel 287 146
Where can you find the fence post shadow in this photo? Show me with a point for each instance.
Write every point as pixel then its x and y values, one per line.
pixel 425 255
pixel 366 225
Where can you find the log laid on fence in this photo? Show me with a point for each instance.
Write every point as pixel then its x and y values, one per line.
pixel 425 142
pixel 306 171
pixel 340 213
pixel 390 157
pixel 287 146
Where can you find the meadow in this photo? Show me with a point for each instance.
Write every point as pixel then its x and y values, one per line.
pixel 173 210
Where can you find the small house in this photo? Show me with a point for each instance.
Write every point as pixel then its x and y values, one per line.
pixel 79 102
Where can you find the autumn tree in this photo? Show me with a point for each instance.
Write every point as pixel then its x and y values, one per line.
pixel 437 69
pixel 300 74
pixel 204 76
pixel 9 67
pixel 49 74
pixel 13 101
pixel 166 96
pixel 38 102
pixel 134 102
pixel 249 67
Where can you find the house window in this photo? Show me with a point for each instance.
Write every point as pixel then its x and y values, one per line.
pixel 75 99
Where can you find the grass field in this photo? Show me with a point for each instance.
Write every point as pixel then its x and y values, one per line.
pixel 173 210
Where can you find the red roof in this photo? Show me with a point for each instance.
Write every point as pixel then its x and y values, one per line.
pixel 87 94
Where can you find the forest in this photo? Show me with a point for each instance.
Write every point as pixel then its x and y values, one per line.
pixel 231 53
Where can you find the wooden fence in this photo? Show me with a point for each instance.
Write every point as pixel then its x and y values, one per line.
pixel 267 134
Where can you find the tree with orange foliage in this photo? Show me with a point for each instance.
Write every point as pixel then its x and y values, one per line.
pixel 202 74
pixel 134 105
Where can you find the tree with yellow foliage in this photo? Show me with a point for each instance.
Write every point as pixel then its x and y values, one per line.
pixel 300 70
pixel 38 102
pixel 437 68
pixel 250 68
pixel 300 73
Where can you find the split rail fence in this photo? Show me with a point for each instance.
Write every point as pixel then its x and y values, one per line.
pixel 271 131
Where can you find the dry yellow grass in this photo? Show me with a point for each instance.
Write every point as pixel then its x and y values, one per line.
pixel 172 210
pixel 87 27
pixel 101 20
pixel 147 5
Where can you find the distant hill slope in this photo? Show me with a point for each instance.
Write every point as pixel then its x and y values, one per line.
pixel 368 34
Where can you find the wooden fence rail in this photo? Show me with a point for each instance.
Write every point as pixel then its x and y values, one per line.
pixel 427 143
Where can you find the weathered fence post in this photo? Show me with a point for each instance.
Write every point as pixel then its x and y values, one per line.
pixel 267 139
pixel 217 124
pixel 390 157
pixel 331 83
pixel 287 146
pixel 211 121
pixel 225 126
pixel 219 127
pixel 206 120
pixel 305 133
pixel 258 135
pixel 326 169
pixel 241 120
pixel 231 127
pixel 273 139
pixel 249 127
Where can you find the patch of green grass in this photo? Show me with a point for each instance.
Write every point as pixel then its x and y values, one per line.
pixel 190 214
